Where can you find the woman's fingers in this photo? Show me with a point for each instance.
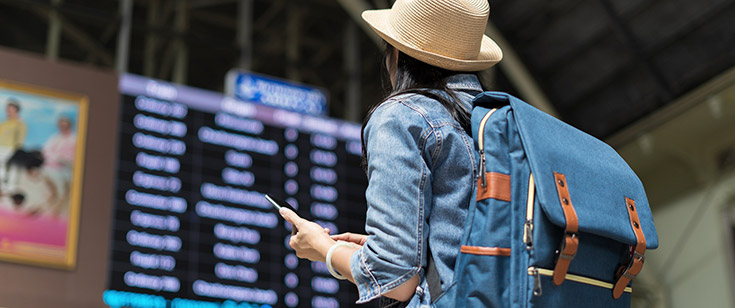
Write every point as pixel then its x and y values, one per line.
pixel 341 237
pixel 351 237
pixel 311 240
pixel 292 217
pixel 348 237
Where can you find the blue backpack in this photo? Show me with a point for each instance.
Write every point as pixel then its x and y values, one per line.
pixel 558 218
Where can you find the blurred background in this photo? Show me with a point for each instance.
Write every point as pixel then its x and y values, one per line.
pixel 653 78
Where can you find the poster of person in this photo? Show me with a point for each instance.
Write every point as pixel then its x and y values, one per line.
pixel 41 159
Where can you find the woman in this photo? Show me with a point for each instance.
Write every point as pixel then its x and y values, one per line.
pixel 418 152
pixel 12 136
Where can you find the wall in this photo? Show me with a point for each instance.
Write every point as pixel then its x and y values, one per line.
pixel 24 286
pixel 687 165
pixel 696 273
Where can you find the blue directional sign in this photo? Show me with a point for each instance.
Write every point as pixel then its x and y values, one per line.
pixel 276 93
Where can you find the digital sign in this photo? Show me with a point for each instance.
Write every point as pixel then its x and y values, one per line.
pixel 277 93
pixel 191 225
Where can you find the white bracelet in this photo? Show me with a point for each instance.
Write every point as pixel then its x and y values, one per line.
pixel 329 259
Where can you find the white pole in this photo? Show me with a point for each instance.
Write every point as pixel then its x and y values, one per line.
pixel 245 33
pixel 123 38
pixel 53 37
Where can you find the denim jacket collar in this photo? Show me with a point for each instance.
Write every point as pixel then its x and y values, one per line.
pixel 464 82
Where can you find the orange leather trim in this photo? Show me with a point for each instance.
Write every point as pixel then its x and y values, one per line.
pixel 628 271
pixel 485 251
pixel 568 249
pixel 498 187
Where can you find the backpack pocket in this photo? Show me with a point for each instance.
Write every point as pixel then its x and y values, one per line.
pixel 582 236
pixel 484 256
pixel 593 267
pixel 577 291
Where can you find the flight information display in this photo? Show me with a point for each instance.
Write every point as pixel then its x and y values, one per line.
pixel 191 225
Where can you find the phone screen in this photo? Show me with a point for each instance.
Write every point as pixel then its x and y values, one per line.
pixel 278 204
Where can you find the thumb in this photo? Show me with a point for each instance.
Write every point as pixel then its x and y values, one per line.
pixel 291 217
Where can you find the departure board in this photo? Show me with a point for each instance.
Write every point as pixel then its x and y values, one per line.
pixel 191 225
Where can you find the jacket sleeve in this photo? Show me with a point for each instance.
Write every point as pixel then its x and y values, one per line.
pixel 399 186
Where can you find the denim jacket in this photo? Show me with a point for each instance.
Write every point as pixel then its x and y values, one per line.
pixel 421 172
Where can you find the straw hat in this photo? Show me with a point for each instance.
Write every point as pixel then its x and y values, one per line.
pixel 445 33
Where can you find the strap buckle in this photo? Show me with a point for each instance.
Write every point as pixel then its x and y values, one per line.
pixel 638 256
pixel 564 256
pixel 624 270
pixel 570 241
pixel 627 272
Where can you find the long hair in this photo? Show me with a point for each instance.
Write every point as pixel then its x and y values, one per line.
pixel 419 78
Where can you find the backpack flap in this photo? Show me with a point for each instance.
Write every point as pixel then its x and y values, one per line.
pixel 582 185
pixel 598 179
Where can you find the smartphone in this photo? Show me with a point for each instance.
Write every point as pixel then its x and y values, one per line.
pixel 278 204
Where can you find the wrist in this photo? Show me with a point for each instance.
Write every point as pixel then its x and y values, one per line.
pixel 324 246
pixel 330 255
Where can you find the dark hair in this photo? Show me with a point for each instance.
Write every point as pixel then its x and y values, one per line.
pixel 14 102
pixel 66 119
pixel 414 76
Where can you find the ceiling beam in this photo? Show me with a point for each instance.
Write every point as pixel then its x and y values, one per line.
pixel 518 73
pixel 82 39
pixel 673 109
pixel 195 4
pixel 264 19
pixel 73 32
pixel 215 19
pixel 636 47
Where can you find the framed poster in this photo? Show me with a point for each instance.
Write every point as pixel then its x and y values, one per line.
pixel 42 133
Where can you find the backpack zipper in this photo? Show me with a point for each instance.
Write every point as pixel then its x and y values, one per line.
pixel 528 225
pixel 535 272
pixel 481 145
pixel 536 281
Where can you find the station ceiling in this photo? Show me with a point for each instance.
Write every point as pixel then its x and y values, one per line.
pixel 602 64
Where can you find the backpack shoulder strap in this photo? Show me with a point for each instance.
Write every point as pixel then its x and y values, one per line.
pixel 433 280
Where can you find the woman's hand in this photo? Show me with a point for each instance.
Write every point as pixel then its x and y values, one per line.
pixel 358 239
pixel 311 241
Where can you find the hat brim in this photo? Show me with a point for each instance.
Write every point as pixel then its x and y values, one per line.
pixel 489 55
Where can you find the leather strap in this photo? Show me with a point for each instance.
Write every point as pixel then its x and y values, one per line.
pixel 498 187
pixel 629 270
pixel 568 248
pixel 485 251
